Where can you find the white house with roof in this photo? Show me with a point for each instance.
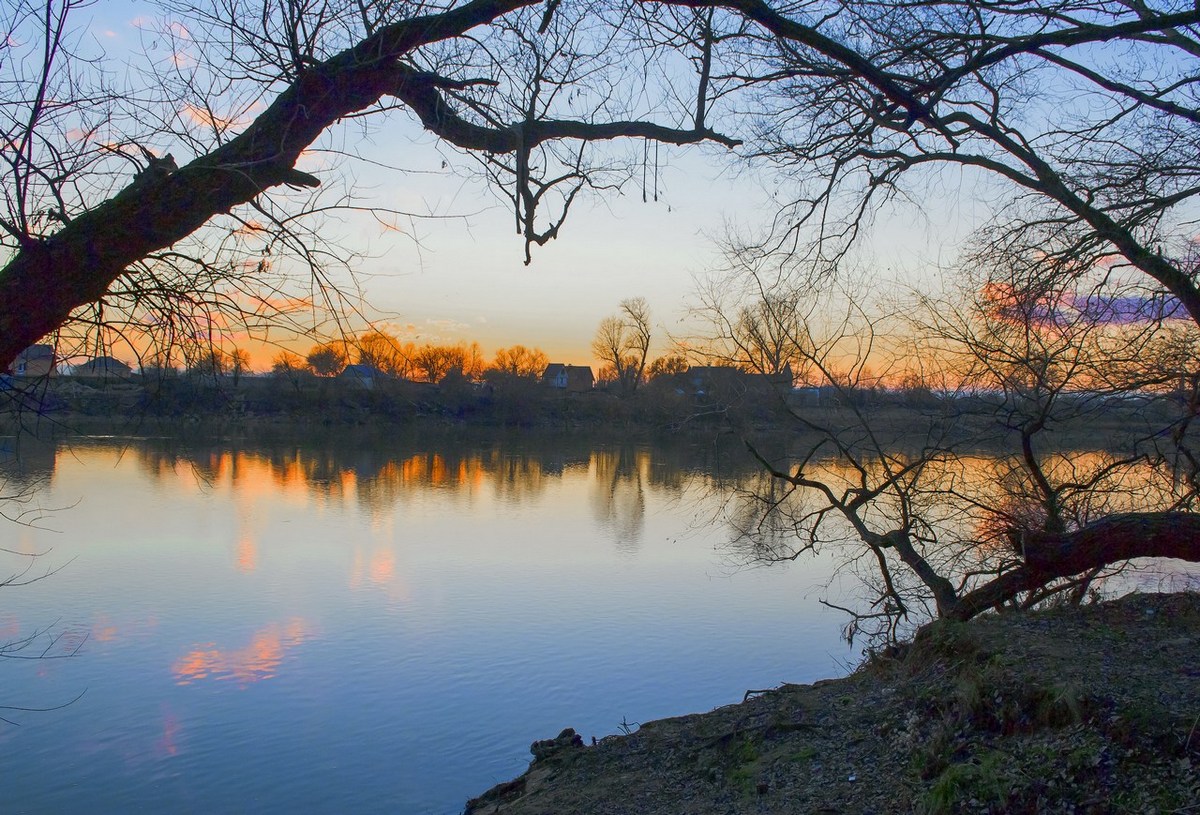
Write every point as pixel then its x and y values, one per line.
pixel 36 360
pixel 571 378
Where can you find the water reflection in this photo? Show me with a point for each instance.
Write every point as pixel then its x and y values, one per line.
pixel 961 494
pixel 26 464
pixel 247 552
pixel 254 662
pixel 618 493
pixel 963 510
pixel 262 615
pixel 376 569
pixel 168 743
pixel 381 479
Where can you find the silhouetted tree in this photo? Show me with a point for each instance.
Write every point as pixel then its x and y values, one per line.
pixel 521 361
pixel 385 353
pixel 154 205
pixel 967 504
pixel 239 364
pixel 327 360
pixel 290 368
pixel 1075 120
pixel 622 342
pixel 667 365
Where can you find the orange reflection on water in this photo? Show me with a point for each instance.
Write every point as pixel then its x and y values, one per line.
pixel 258 660
pixel 247 552
pixel 375 482
pixel 438 474
pixel 168 742
pixel 104 630
pixel 222 464
pixel 411 469
pixel 378 570
pixel 383 566
pixel 348 480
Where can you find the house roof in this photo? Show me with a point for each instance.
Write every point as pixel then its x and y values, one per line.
pixel 37 352
pixel 107 364
pixel 555 368
pixel 360 370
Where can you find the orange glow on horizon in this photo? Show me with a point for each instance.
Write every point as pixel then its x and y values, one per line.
pixel 263 349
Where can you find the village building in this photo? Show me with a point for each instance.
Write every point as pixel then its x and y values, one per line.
pixel 36 360
pixel 104 367
pixel 570 378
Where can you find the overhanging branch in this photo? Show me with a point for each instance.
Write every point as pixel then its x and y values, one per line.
pixel 419 90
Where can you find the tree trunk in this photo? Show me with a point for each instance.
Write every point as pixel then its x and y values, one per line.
pixel 1108 541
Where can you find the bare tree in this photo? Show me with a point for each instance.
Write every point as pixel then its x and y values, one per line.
pixel 521 361
pixel 327 360
pixel 386 354
pixel 1078 118
pixel 622 342
pixel 667 365
pixel 239 364
pixel 761 312
pixel 103 227
pixel 291 368
pixel 637 323
pixel 969 503
pixel 855 102
pixel 434 362
pixel 212 363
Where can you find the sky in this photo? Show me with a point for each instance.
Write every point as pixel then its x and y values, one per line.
pixel 466 278
pixel 461 276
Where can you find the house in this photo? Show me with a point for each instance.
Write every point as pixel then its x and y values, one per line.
pixel 36 360
pixel 781 381
pixel 708 380
pixel 104 367
pixel 725 382
pixel 364 376
pixel 570 378
pixel 806 396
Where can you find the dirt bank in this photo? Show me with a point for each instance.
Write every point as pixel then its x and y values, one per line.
pixel 1089 710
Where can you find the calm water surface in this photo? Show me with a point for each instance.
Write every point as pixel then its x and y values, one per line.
pixel 345 628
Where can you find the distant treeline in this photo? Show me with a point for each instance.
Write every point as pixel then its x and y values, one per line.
pixel 500 401
pixel 671 402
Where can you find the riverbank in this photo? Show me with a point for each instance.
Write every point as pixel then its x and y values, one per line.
pixel 1091 710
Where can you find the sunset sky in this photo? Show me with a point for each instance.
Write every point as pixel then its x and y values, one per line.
pixel 459 274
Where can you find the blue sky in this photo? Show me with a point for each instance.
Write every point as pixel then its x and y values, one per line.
pixel 460 276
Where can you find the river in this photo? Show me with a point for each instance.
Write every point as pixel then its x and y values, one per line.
pixel 368 626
